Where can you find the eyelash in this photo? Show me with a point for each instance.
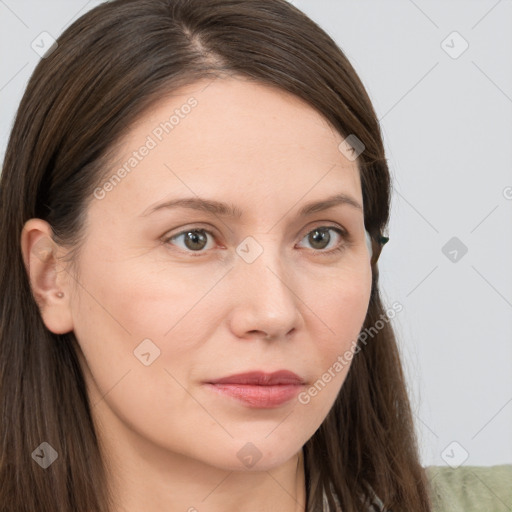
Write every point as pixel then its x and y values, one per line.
pixel 343 234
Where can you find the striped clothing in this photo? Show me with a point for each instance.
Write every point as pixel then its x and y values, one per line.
pixel 376 506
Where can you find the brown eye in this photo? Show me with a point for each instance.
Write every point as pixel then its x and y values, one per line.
pixel 193 239
pixel 320 239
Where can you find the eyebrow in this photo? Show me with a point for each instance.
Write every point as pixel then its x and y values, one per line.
pixel 230 210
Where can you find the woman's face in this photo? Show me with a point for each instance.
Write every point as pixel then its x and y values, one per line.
pixel 160 314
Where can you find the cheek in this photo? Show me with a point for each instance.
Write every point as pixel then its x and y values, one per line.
pixel 137 299
pixel 341 308
pixel 139 333
pixel 128 314
pixel 342 303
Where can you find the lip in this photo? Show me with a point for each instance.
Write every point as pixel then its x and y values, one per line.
pixel 259 389
pixel 260 378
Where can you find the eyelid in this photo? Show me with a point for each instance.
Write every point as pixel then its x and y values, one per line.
pixel 322 224
pixel 192 227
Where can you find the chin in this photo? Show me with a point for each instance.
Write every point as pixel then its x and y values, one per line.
pixel 253 456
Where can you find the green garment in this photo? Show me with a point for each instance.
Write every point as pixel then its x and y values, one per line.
pixel 471 488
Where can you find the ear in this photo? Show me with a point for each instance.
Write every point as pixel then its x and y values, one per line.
pixel 48 278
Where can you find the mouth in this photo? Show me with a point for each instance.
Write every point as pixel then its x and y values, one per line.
pixel 259 389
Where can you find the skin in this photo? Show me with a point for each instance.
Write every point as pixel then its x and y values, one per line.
pixel 171 442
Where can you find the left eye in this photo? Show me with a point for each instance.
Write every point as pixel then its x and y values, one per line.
pixel 195 240
pixel 320 236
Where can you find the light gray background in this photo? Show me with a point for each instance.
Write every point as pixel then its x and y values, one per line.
pixel 447 127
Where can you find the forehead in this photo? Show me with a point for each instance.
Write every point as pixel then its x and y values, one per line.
pixel 233 138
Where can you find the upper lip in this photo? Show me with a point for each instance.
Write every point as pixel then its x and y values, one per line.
pixel 260 378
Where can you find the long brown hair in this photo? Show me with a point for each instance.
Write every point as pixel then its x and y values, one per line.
pixel 108 68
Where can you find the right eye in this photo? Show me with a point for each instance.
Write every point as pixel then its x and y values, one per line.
pixel 194 240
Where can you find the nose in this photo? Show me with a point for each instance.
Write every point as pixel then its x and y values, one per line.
pixel 266 302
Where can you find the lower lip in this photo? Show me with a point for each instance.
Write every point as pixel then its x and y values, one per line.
pixel 259 396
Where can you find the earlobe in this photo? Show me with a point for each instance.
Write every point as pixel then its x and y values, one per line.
pixel 48 278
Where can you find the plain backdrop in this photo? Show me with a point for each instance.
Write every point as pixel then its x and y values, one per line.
pixel 439 74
